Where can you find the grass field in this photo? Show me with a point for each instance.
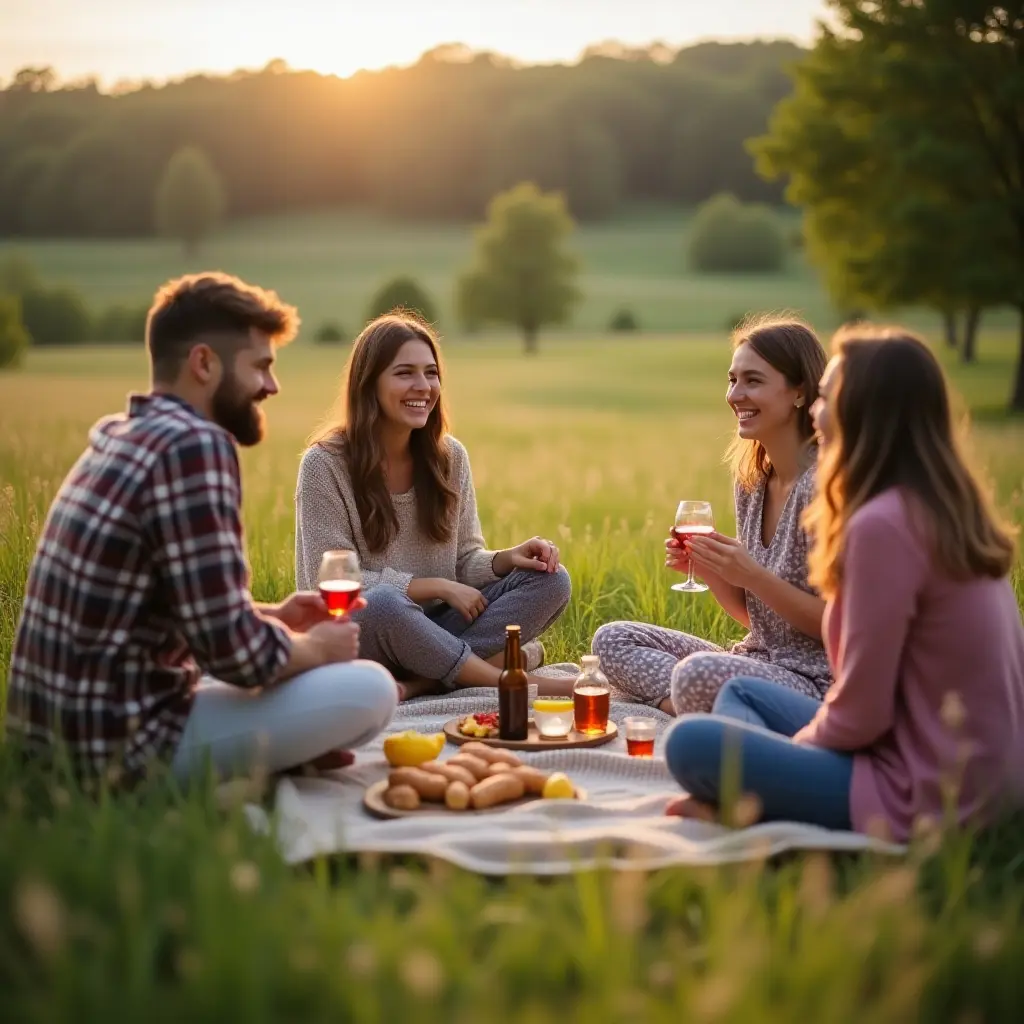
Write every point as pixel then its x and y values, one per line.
pixel 167 906
pixel 330 263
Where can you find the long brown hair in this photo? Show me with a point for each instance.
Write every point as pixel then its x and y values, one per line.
pixel 790 346
pixel 892 426
pixel 353 434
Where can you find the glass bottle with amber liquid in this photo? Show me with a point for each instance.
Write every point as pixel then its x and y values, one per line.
pixel 513 694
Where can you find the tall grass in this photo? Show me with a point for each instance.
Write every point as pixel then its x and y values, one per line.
pixel 167 905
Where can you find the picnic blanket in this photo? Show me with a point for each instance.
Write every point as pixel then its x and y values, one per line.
pixel 621 825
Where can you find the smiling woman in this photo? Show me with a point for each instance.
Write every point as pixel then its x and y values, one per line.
pixel 386 480
pixel 760 576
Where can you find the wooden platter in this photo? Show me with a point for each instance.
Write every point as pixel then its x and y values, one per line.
pixel 534 741
pixel 373 801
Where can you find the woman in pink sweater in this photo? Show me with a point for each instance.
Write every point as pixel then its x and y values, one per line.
pixel 922 629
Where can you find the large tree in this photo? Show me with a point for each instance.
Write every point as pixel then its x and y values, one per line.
pixel 904 144
pixel 523 274
pixel 190 198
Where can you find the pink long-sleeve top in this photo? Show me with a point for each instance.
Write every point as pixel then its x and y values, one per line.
pixel 929 680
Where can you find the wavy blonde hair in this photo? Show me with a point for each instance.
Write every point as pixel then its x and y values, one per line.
pixel 790 346
pixel 352 434
pixel 893 426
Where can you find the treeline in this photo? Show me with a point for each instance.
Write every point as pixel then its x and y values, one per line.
pixel 436 140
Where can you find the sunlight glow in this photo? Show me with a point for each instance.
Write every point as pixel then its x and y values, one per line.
pixel 168 38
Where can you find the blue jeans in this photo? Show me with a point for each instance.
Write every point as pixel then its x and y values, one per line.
pixel 750 729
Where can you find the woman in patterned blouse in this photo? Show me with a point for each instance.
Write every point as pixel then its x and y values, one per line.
pixel 759 577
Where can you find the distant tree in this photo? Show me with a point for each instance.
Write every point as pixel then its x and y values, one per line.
pixel 42 79
pixel 121 322
pixel 402 293
pixel 17 276
pixel 595 184
pixel 728 236
pixel 904 144
pixel 522 274
pixel 623 320
pixel 56 316
pixel 329 332
pixel 17 180
pixel 14 339
pixel 190 199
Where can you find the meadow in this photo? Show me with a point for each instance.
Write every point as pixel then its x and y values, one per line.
pixel 330 263
pixel 167 905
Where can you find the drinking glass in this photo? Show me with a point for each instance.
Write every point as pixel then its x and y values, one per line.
pixel 640 733
pixel 340 581
pixel 693 518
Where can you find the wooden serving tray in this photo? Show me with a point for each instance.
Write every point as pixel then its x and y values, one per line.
pixel 534 740
pixel 373 801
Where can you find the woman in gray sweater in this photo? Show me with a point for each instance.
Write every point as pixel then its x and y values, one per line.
pixel 387 481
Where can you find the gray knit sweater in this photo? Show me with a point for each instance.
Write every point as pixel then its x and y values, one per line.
pixel 326 518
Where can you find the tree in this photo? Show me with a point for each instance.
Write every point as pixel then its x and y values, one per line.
pixel 402 293
pixel 728 237
pixel 190 198
pixel 904 143
pixel 14 339
pixel 522 274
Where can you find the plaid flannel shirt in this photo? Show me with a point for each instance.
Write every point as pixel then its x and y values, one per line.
pixel 139 584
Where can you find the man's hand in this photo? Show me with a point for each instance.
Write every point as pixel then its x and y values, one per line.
pixel 335 640
pixel 299 611
pixel 304 609
pixel 537 554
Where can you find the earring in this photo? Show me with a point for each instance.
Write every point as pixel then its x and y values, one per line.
pixel 799 404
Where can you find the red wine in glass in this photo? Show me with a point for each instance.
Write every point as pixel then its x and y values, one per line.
pixel 340 581
pixel 339 595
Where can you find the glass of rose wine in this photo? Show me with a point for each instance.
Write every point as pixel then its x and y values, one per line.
pixel 693 518
pixel 340 581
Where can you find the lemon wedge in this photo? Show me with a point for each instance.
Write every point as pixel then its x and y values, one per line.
pixel 553 704
pixel 558 787
pixel 408 749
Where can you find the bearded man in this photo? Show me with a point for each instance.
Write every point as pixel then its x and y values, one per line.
pixel 139 642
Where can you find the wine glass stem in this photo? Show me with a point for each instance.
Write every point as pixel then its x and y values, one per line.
pixel 689 576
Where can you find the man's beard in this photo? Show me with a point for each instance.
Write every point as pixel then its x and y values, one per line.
pixel 238 413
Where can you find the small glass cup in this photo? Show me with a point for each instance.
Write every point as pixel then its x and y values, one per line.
pixel 553 716
pixel 640 733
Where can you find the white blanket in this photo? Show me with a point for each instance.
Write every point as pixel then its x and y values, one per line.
pixel 621 824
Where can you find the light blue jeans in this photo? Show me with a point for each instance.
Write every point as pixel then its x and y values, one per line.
pixel 287 724
pixel 751 727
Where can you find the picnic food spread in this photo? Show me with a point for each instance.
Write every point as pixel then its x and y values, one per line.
pixel 477 778
pixel 483 725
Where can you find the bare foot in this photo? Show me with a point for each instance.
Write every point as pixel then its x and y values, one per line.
pixel 409 688
pixel 690 807
pixel 668 707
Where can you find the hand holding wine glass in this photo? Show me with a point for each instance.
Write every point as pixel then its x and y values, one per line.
pixel 340 581
pixel 693 518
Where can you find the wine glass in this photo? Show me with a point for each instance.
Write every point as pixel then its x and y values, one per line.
pixel 340 581
pixel 693 518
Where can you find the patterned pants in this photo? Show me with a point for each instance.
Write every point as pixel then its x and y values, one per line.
pixel 398 634
pixel 647 663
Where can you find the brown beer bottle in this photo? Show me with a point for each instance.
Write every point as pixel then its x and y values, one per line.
pixel 513 696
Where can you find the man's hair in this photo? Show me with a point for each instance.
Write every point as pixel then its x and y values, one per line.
pixel 216 309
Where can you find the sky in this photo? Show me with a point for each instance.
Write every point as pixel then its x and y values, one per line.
pixel 159 39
